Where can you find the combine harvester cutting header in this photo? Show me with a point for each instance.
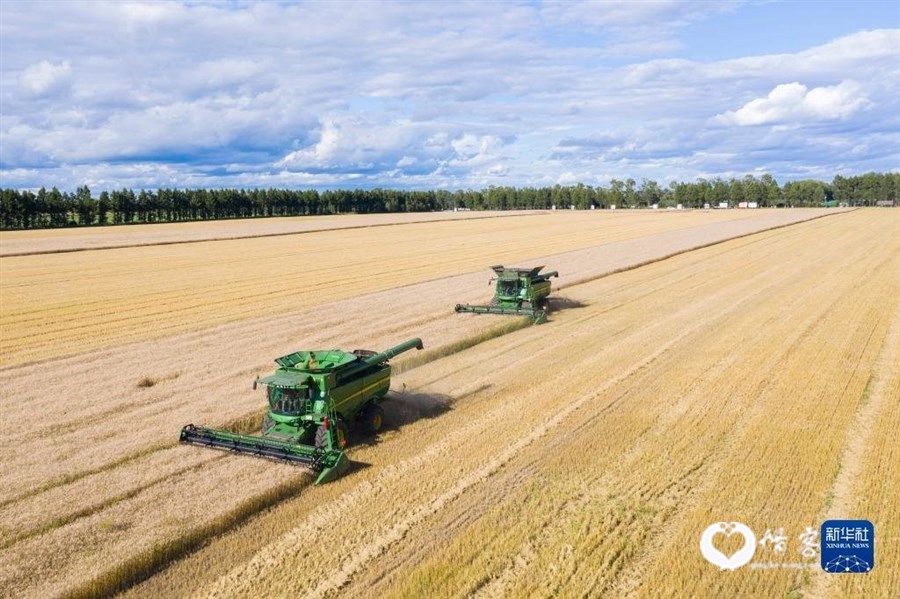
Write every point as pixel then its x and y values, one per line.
pixel 519 291
pixel 312 396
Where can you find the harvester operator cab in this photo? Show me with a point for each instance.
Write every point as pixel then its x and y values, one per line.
pixel 508 287
pixel 287 401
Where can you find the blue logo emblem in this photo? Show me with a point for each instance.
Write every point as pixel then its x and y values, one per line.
pixel 848 546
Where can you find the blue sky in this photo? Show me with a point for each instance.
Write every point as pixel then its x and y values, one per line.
pixel 450 95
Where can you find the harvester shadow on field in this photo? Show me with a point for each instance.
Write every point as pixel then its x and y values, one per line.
pixel 400 409
pixel 403 408
pixel 557 303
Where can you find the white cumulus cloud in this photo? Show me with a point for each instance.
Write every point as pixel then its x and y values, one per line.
pixel 790 103
pixel 357 142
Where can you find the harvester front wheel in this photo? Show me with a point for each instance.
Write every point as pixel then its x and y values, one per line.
pixel 372 418
pixel 340 430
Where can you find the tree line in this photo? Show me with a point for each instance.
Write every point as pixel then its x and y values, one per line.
pixel 31 210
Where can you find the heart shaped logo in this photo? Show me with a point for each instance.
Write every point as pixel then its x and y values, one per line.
pixel 716 557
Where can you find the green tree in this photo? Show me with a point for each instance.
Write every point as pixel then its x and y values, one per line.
pixel 85 206
pixel 103 207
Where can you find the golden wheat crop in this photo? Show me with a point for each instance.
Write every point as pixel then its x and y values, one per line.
pixel 48 241
pixel 60 304
pixel 584 456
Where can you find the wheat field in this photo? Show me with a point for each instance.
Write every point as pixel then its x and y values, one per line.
pixel 697 367
pixel 55 304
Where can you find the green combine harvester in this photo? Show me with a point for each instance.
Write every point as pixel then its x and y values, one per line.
pixel 313 395
pixel 519 291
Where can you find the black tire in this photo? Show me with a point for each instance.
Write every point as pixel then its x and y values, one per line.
pixel 267 423
pixel 321 439
pixel 372 418
pixel 322 435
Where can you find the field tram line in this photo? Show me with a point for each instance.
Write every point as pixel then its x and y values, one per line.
pixel 81 474
pixel 630 580
pixel 70 478
pixel 628 584
pixel 237 424
pixel 760 258
pixel 142 566
pixel 856 444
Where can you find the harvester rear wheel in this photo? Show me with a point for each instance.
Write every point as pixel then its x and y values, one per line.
pixel 372 418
